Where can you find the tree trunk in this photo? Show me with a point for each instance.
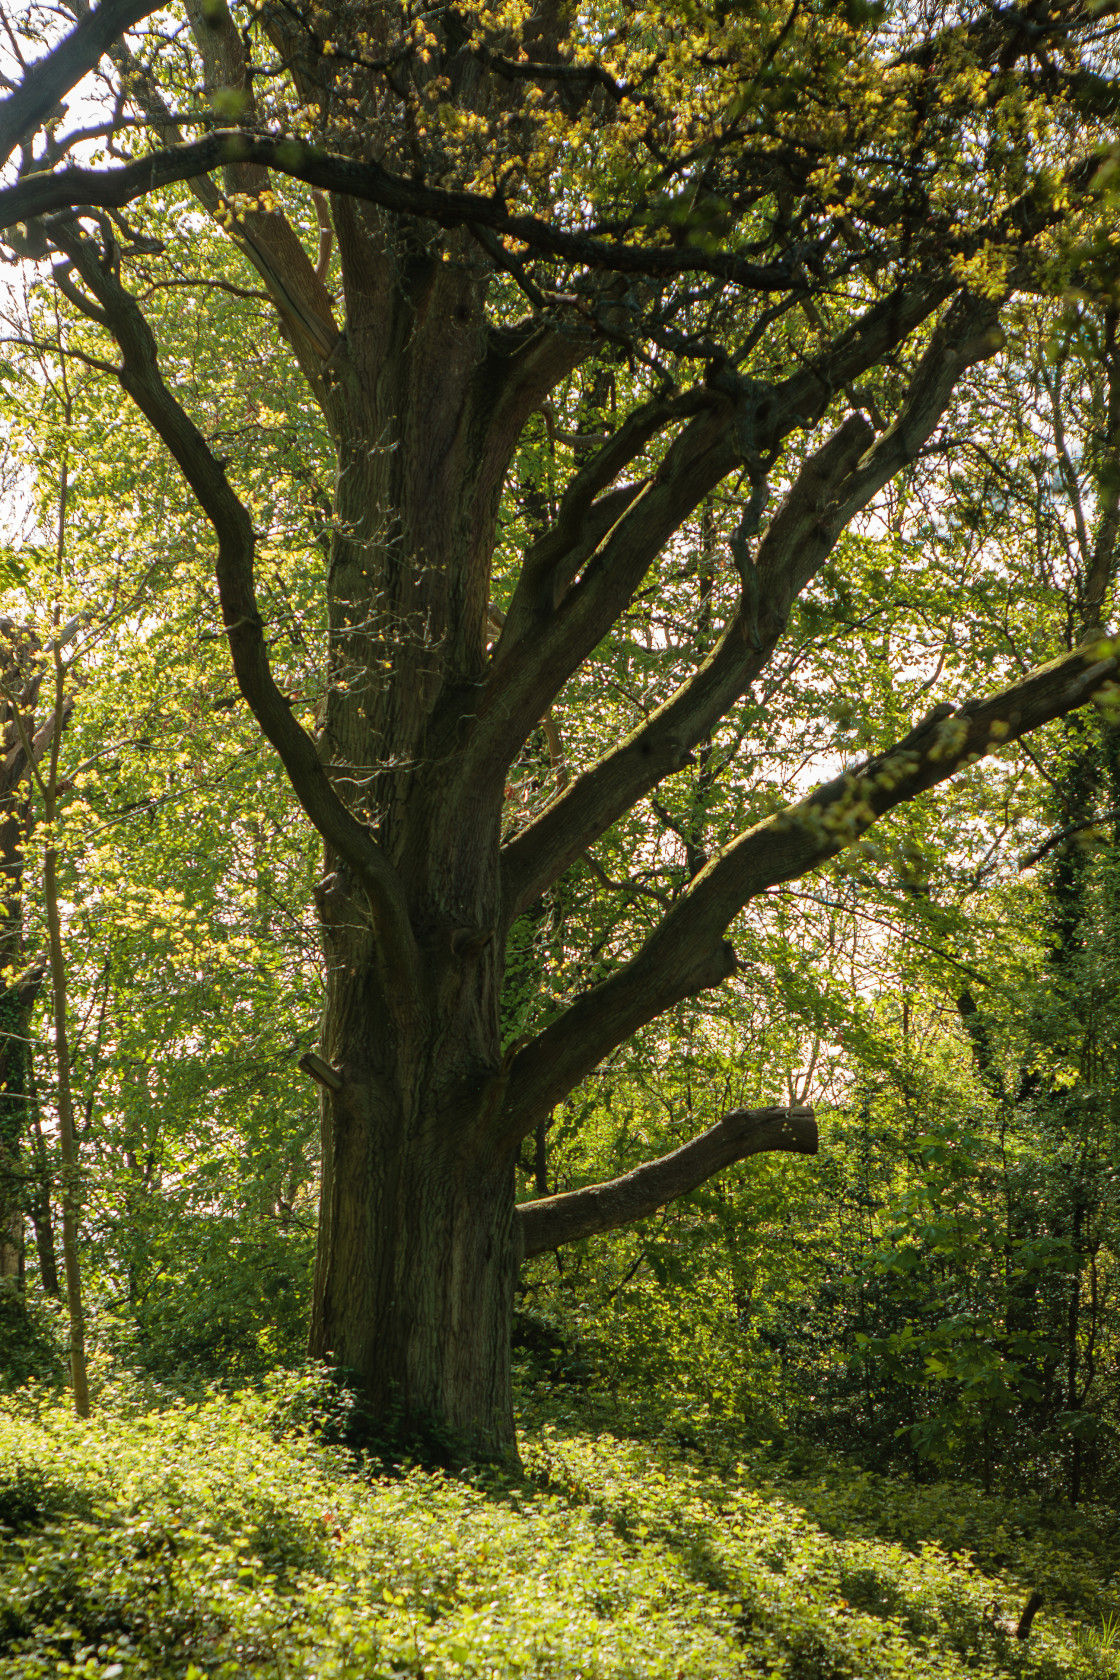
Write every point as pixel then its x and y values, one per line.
pixel 39 1208
pixel 415 1271
pixel 14 1069
pixel 414 1286
pixel 21 744
pixel 414 1282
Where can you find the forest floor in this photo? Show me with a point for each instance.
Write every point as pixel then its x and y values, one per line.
pixel 222 1537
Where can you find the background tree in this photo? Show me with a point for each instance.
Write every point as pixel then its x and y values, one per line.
pixel 189 945
pixel 22 970
pixel 756 255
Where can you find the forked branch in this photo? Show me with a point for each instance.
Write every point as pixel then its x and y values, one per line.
pixel 834 483
pixel 555 1220
pixel 553 623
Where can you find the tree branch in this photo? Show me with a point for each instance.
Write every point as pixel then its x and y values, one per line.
pixel 41 194
pixel 735 421
pixel 687 953
pixel 834 483
pixel 53 75
pixel 140 376
pixel 545 641
pixel 1037 853
pixel 45 192
pixel 585 515
pixel 555 1220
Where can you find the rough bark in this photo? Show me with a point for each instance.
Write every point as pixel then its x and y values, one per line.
pixel 416 1257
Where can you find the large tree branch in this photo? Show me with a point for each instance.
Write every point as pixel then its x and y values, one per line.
pixel 42 194
pixel 546 641
pixel 687 953
pixel 518 374
pixel 603 1207
pixel 140 376
pixel 584 810
pixel 1102 562
pixel 554 623
pixel 833 484
pixel 47 192
pixel 586 513
pixel 547 638
pixel 52 76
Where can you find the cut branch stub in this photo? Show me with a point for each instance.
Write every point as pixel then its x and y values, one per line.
pixel 321 1071
pixel 470 942
pixel 555 1220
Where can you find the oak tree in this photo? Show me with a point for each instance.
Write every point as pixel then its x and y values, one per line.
pixel 742 258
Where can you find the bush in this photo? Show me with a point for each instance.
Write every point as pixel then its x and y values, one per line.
pixel 29 1336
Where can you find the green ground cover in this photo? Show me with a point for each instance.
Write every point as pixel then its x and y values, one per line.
pixel 222 1537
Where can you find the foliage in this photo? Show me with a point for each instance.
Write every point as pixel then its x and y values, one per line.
pixel 30 1340
pixel 938 1291
pixel 178 1539
pixel 185 888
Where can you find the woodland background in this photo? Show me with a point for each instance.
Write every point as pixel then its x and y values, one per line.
pixel 825 1417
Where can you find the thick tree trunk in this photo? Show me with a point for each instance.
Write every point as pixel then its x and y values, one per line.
pixel 414 1279
pixel 414 1286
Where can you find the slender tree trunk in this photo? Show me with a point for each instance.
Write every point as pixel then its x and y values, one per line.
pixel 39 1208
pixel 13 1106
pixel 18 693
pixel 16 1097
pixel 71 1179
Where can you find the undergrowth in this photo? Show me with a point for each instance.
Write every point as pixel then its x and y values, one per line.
pixel 225 1537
